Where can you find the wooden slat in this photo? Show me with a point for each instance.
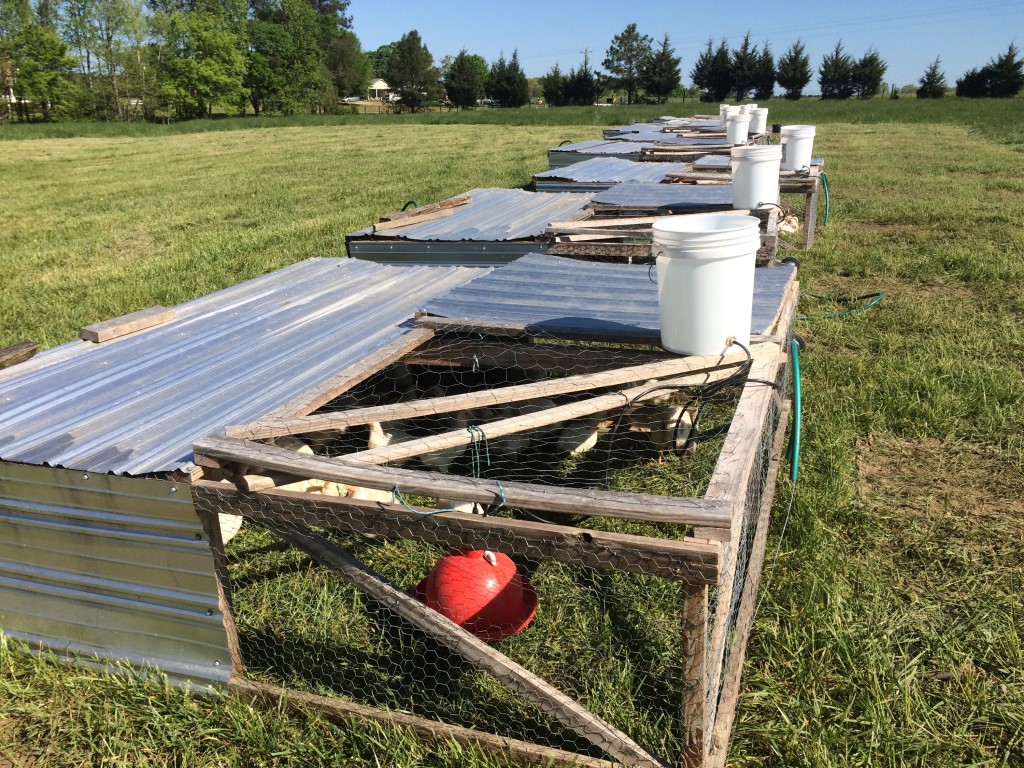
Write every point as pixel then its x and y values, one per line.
pixel 467 353
pixel 693 634
pixel 729 698
pixel 623 251
pixel 429 731
pixel 608 403
pixel 211 526
pixel 634 506
pixel 495 396
pixel 17 353
pixel 417 213
pixel 309 401
pixel 728 484
pixel 421 218
pixel 122 326
pixel 513 676
pixel 687 560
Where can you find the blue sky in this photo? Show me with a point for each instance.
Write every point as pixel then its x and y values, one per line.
pixel 908 35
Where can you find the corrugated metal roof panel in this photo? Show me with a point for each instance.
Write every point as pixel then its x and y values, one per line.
pixel 556 294
pixel 120 567
pixel 493 215
pixel 134 405
pixel 666 196
pixel 611 170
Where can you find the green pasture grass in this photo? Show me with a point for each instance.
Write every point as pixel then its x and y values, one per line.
pixel 1000 119
pixel 890 630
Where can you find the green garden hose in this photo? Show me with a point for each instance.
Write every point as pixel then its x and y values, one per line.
pixel 793 452
pixel 413 203
pixel 824 185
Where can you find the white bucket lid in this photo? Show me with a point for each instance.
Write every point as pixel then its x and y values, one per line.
pixel 798 131
pixel 758 152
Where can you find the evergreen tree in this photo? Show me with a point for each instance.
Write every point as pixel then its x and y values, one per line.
pixel 347 65
pixel 701 72
pixel 507 83
pixel 721 73
pixel 413 75
pixel 764 84
pixel 794 71
pixel 625 59
pixel 744 68
pixel 660 75
pixel 932 83
pixel 582 88
pixel 1006 74
pixel 836 74
pixel 868 74
pixel 462 80
pixel 553 87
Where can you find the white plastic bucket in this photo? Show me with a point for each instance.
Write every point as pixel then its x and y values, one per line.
pixel 755 175
pixel 736 128
pixel 746 108
pixel 758 120
pixel 705 265
pixel 797 143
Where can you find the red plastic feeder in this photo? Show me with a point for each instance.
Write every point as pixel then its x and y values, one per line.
pixel 481 591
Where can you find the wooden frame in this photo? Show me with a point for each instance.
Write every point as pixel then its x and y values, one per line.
pixel 723 550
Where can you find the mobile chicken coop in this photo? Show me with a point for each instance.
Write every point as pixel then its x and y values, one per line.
pixel 371 423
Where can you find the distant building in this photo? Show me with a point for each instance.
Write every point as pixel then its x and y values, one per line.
pixel 378 89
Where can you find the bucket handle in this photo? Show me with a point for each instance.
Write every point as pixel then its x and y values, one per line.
pixel 655 253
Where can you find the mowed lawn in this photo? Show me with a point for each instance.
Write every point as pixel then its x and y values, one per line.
pixel 891 628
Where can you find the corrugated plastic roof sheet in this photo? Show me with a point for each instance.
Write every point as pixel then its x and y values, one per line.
pixel 555 294
pixel 612 170
pixel 134 405
pixel 492 215
pixel 666 196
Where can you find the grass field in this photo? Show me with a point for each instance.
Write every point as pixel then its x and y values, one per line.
pixel 891 628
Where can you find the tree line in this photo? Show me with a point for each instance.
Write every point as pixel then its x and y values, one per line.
pixel 180 59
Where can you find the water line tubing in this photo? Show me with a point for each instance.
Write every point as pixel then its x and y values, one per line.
pixel 793 452
pixel 873 299
pixel 824 185
pixel 413 203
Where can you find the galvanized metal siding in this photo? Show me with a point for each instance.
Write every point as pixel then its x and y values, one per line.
pixel 493 215
pixel 119 567
pixel 609 170
pixel 135 405
pixel 649 196
pixel 559 294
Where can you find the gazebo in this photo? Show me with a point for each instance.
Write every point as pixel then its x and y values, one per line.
pixel 378 89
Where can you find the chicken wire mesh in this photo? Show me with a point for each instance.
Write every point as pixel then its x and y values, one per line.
pixel 572 630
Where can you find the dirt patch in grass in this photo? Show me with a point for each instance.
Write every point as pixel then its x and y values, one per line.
pixel 931 478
